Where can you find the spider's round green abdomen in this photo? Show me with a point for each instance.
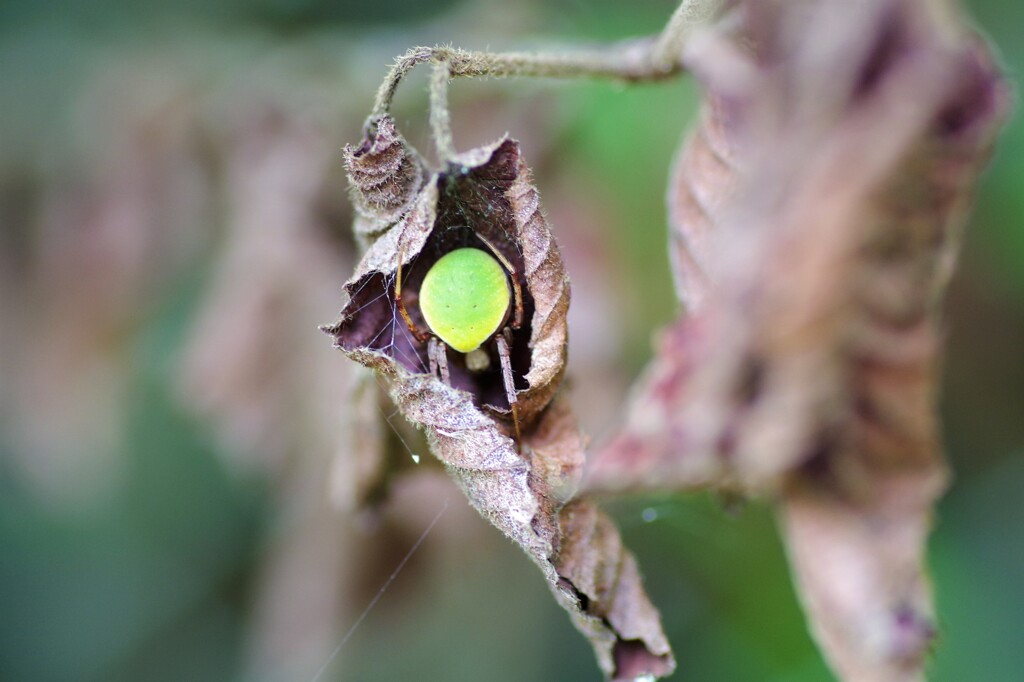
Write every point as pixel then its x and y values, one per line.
pixel 465 298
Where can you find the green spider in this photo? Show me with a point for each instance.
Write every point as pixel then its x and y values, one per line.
pixel 466 301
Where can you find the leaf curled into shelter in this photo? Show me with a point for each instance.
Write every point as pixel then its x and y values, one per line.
pixel 807 367
pixel 485 199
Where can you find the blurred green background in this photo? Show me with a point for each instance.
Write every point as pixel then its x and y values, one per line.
pixel 177 464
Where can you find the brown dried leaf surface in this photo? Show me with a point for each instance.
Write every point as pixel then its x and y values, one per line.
pixel 833 247
pixel 385 174
pixel 808 365
pixel 703 179
pixel 488 191
pixel 485 192
pixel 613 610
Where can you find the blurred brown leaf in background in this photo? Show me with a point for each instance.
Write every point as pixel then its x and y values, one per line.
pixel 818 208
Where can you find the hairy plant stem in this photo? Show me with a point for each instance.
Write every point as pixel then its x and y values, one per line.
pixel 647 59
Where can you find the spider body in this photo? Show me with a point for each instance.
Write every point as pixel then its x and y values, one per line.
pixel 466 299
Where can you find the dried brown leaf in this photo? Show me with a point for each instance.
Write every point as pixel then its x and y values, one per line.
pixel 703 179
pixel 385 174
pixel 834 246
pixel 487 191
pixel 613 610
pixel 808 365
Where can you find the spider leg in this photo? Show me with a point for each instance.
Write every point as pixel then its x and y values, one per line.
pixel 419 335
pixel 437 352
pixel 503 340
pixel 517 290
pixel 432 357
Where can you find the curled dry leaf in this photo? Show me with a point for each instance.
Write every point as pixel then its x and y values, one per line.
pixel 385 174
pixel 523 491
pixel 853 134
pixel 608 601
pixel 485 193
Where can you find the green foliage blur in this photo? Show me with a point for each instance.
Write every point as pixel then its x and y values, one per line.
pixel 155 579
